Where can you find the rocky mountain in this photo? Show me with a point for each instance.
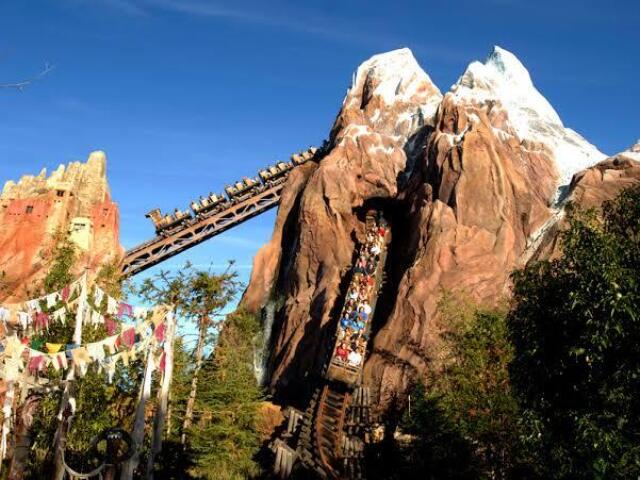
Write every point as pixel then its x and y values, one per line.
pixel 72 199
pixel 474 184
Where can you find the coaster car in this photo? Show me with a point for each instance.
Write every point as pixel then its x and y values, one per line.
pixel 206 204
pixel 303 157
pixel 275 171
pixel 165 223
pixel 239 189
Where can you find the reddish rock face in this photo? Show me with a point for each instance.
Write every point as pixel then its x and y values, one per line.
pixel 73 199
pixel 317 224
pixel 589 189
pixel 472 184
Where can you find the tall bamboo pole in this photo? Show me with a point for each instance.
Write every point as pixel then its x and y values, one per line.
pixel 203 323
pixel 61 432
pixel 7 411
pixel 163 394
pixel 137 436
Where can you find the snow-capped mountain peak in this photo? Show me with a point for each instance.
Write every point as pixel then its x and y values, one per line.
pixel 395 74
pixel 504 78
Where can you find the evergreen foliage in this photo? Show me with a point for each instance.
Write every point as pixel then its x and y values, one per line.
pixel 576 330
pixel 224 438
pixel 92 392
pixel 466 424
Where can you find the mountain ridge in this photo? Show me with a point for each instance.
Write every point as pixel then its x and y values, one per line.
pixel 470 180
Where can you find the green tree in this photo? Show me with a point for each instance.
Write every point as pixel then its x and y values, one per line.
pixel 92 392
pixel 224 437
pixel 208 295
pixel 576 330
pixel 172 463
pixel 197 295
pixel 62 258
pixel 466 423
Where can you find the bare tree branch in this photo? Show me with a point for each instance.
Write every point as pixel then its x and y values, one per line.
pixel 20 86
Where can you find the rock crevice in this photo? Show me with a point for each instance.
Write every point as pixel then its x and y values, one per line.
pixel 466 179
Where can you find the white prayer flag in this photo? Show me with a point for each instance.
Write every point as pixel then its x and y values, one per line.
pixel 112 306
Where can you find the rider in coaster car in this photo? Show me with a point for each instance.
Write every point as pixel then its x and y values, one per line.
pixel 355 357
pixel 342 352
pixel 358 325
pixel 346 321
pixel 370 268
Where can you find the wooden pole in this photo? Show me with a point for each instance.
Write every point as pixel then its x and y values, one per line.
pixel 163 394
pixel 22 437
pixel 137 436
pixel 203 322
pixel 61 433
pixel 7 411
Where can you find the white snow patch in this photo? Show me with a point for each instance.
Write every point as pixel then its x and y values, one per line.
pixel 633 152
pixel 632 155
pixel 381 149
pixel 502 135
pixel 502 77
pixel 395 77
pixel 354 131
pixel 473 119
pixel 456 139
pixel 395 73
pixel 534 240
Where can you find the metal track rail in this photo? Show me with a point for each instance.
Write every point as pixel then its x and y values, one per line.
pixel 161 248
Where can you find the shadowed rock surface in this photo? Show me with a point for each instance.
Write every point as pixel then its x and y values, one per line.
pixel 474 184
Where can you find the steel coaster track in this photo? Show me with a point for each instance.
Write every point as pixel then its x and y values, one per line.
pixel 191 234
pixel 243 201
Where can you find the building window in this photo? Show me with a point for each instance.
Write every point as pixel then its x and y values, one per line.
pixel 29 209
pixel 61 193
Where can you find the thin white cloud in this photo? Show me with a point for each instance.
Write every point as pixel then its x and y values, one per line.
pixel 330 28
pixel 306 22
pixel 237 241
pixel 128 7
pixel 73 104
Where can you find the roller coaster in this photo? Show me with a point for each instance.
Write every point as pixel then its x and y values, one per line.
pixel 211 215
pixel 329 437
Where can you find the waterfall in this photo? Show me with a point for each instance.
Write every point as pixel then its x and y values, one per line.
pixel 261 344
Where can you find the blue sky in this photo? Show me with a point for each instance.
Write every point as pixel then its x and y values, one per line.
pixel 187 95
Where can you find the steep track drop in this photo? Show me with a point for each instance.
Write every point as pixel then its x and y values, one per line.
pixel 331 434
